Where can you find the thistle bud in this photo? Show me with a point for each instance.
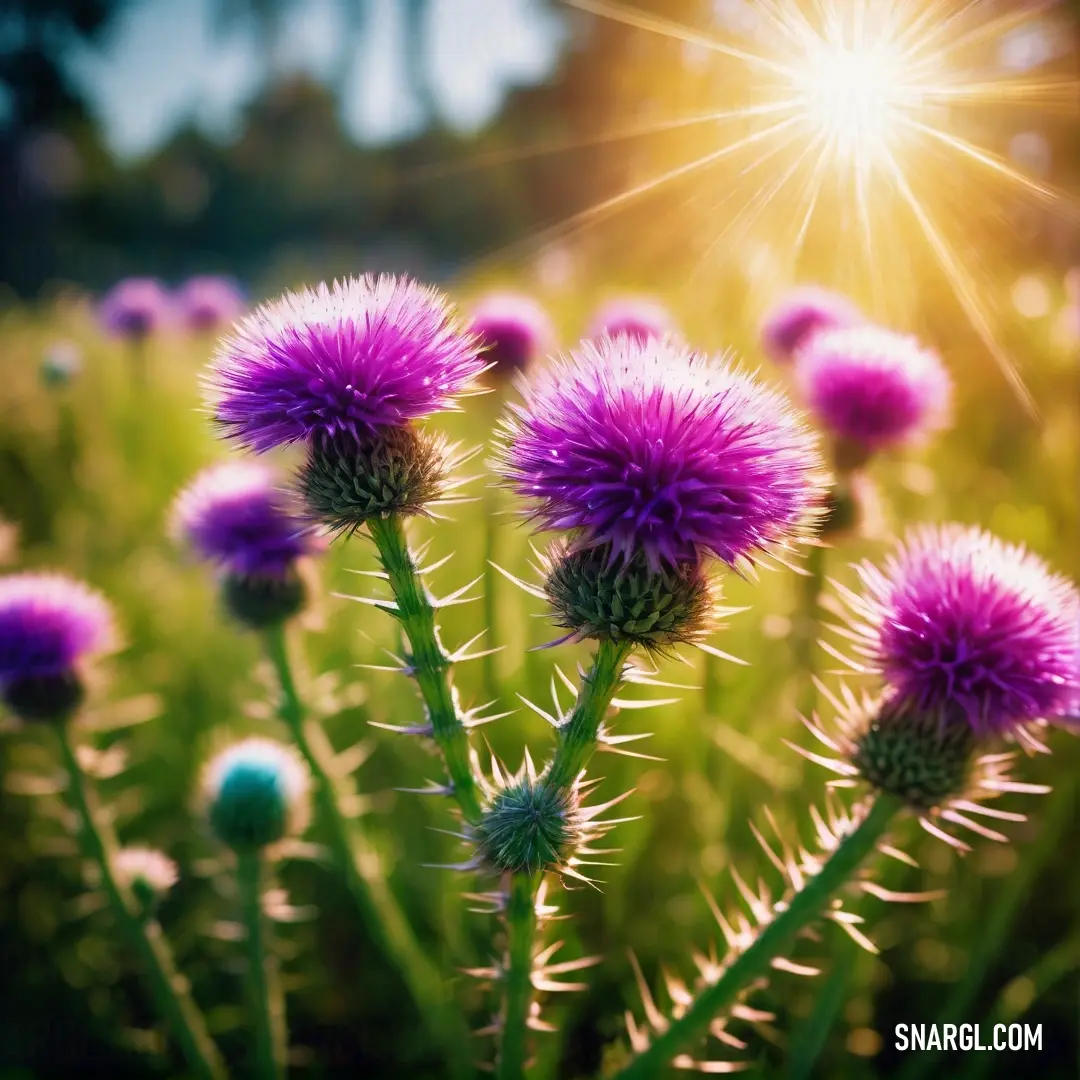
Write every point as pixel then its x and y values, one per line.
pixel 529 827
pixel 149 874
pixel 345 480
pixel 924 758
pixel 256 794
pixel 596 595
pixel 263 601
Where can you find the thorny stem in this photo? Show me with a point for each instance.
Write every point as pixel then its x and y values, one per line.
pixel 145 935
pixel 429 661
pixel 775 939
pixel 577 743
pixel 264 987
pixel 521 935
pixel 578 736
pixel 360 865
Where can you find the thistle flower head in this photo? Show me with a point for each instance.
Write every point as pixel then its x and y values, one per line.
pixel 638 317
pixel 208 302
pixel 873 388
pixel 654 448
pixel 256 793
pixel 799 315
pixel 149 874
pixel 49 624
pixel 964 627
pixel 515 330
pixel 135 308
pixel 596 596
pixel 235 515
pixel 351 359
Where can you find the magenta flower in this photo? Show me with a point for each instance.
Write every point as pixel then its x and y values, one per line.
pixel 353 359
pixel 49 624
pixel 135 308
pixel 960 624
pixel 655 448
pixel 639 317
pixel 235 515
pixel 208 302
pixel 873 388
pixel 514 329
pixel 799 315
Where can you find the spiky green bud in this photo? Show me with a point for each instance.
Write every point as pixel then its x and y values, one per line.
pixel 45 698
pixel 261 601
pixel 595 596
pixel 921 757
pixel 529 827
pixel 345 482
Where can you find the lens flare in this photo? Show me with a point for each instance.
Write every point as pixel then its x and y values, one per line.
pixel 852 141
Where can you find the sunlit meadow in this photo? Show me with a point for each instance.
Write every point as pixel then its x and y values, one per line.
pixel 260 835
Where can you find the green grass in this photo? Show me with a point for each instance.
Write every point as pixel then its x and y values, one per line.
pixel 87 474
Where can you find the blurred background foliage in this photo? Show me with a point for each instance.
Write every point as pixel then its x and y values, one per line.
pixel 87 472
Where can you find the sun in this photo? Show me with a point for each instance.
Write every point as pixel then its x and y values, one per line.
pixel 855 94
pixel 864 142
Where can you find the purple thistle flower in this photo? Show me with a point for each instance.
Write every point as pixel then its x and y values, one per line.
pixel 959 623
pixel 207 302
pixel 639 317
pixel 135 308
pixel 49 623
pixel 799 315
pixel 514 328
pixel 655 448
pixel 233 514
pixel 353 359
pixel 873 388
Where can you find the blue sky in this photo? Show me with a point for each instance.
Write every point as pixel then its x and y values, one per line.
pixel 167 61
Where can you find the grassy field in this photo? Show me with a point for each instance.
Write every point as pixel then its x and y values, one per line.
pixel 87 473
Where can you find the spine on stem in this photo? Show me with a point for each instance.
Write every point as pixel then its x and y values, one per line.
pixel 754 951
pixel 429 662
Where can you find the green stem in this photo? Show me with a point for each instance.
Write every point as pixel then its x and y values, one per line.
pixel 577 743
pixel 429 661
pixel 264 987
pixel 521 935
pixel 774 940
pixel 145 935
pixel 578 736
pixel 360 865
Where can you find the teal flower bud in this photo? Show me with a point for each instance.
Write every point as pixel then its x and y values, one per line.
pixel 596 595
pixel 257 794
